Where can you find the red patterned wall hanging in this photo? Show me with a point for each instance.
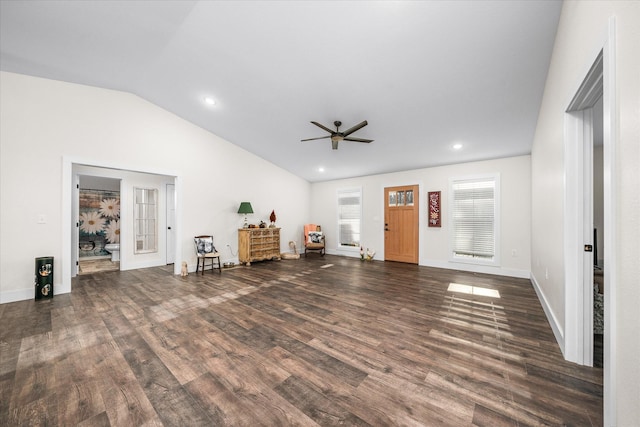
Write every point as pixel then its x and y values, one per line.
pixel 435 212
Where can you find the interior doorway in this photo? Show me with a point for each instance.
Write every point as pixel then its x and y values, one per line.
pixel 600 82
pixel 401 223
pixel 129 180
pixel 599 233
pixel 579 223
pixel 97 208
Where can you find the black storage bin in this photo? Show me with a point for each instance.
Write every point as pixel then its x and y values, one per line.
pixel 44 277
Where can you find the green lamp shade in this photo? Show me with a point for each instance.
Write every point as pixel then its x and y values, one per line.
pixel 245 208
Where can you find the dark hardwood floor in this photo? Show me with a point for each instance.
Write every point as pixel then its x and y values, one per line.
pixel 316 341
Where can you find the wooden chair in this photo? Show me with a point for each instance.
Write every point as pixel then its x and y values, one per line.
pixel 205 250
pixel 313 239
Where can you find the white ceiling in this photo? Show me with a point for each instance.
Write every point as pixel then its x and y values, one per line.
pixel 425 75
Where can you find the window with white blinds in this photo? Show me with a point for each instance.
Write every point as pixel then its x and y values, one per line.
pixel 474 219
pixel 349 215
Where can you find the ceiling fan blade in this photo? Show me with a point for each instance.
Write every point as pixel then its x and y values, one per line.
pixel 355 128
pixel 313 139
pixel 351 138
pixel 323 127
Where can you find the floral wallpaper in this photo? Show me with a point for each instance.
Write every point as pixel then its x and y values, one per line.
pixel 99 221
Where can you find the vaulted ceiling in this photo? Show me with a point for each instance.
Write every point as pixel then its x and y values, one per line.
pixel 425 75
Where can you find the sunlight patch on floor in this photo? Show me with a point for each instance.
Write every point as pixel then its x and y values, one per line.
pixel 473 290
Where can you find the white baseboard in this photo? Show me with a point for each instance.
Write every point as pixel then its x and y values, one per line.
pixel 27 294
pixel 19 295
pixel 556 327
pixel 474 268
pixel 141 264
pixel 347 253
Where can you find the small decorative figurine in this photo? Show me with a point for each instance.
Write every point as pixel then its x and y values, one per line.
pixel 184 271
pixel 272 218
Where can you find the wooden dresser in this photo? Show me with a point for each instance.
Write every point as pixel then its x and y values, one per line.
pixel 258 244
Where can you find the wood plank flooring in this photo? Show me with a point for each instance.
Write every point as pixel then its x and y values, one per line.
pixel 318 341
pixel 91 266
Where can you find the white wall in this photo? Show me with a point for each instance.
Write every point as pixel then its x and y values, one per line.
pixel 515 212
pixel 582 31
pixel 47 125
pixel 96 182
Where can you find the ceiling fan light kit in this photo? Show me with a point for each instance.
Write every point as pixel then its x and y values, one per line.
pixel 337 136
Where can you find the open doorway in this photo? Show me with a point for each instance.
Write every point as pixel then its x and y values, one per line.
pixel 579 219
pixel 598 236
pixel 130 257
pixel 98 224
pixel 598 84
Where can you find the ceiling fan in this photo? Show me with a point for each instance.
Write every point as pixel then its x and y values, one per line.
pixel 337 136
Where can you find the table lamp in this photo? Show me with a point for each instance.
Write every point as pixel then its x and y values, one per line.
pixel 245 208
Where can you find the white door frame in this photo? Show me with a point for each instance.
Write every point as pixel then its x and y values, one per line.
pixel 170 226
pixel 578 220
pixel 75 223
pixel 599 81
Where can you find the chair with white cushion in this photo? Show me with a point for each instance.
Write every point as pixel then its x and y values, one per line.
pixel 205 250
pixel 313 239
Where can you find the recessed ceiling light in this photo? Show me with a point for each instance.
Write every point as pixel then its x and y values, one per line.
pixel 457 146
pixel 320 169
pixel 209 100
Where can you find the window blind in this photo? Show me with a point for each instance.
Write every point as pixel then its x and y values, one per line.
pixel 349 213
pixel 473 214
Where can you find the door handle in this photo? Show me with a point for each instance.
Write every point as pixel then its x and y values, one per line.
pixel 168 228
pixel 588 248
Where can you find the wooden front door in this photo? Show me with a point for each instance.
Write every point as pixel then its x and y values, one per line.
pixel 401 228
